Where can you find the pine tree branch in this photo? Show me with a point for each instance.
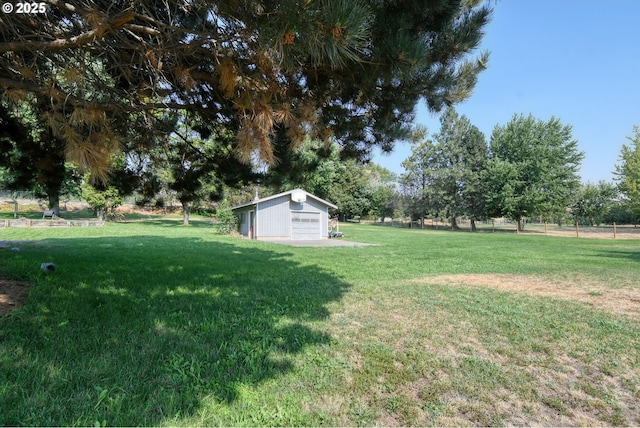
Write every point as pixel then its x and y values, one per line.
pixel 58 95
pixel 135 28
pixel 64 6
pixel 71 42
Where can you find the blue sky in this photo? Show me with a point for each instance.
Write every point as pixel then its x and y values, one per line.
pixel 576 60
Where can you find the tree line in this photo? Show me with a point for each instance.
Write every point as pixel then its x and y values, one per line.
pixel 204 101
pixel 527 170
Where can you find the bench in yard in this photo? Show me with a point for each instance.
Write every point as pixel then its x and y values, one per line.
pixel 49 214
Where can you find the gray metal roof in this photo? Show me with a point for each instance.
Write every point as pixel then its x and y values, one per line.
pixel 288 192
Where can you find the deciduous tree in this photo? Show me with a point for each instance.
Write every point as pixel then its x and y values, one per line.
pixel 384 199
pixel 594 202
pixel 351 191
pixel 533 168
pixel 102 199
pixel 628 171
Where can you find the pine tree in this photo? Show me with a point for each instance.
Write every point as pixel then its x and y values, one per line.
pixel 416 182
pixel 449 169
pixel 313 166
pixel 197 168
pixel 33 158
pixel 353 70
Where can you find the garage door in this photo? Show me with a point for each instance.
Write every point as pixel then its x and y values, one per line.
pixel 305 225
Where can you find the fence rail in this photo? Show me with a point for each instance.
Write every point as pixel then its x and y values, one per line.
pixel 613 231
pixel 49 223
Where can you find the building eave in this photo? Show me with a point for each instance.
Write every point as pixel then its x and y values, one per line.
pixel 288 192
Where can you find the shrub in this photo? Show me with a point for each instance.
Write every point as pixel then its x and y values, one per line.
pixel 103 202
pixel 226 220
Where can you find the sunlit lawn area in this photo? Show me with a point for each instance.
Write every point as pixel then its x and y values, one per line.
pixel 153 323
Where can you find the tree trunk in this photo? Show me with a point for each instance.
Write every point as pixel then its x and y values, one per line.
pixel 518 225
pixel 186 208
pixel 454 225
pixel 54 203
pixel 473 225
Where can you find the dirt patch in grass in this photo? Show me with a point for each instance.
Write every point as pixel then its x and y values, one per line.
pixel 625 301
pixel 417 362
pixel 13 294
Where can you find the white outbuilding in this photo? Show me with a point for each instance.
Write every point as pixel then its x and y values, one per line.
pixel 295 214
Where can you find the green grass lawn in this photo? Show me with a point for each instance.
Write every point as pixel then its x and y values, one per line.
pixel 152 323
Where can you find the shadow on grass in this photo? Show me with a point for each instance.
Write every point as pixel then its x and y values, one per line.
pixel 170 222
pixel 633 255
pixel 139 330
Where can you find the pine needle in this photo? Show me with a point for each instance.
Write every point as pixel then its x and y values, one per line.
pixel 228 78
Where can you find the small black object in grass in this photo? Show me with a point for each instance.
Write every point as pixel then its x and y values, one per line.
pixel 48 267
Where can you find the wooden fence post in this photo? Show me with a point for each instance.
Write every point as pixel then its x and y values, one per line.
pixel 577 230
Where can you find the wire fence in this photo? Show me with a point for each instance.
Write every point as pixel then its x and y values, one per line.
pixel 502 225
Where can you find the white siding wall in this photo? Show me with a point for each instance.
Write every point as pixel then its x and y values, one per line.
pixel 274 218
